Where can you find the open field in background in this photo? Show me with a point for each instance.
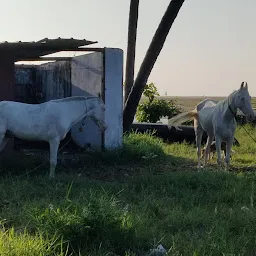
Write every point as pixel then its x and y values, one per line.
pixel 189 103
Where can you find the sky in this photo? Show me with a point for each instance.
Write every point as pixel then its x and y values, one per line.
pixel 210 49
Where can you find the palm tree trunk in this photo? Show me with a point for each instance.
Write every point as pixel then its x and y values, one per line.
pixel 130 59
pixel 148 62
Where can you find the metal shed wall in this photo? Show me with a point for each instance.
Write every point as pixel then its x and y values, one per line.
pixel 50 79
pixel 54 80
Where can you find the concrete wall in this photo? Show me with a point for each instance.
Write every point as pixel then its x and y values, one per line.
pixel 93 75
pixel 24 74
pixel 54 80
pixel 114 98
pixel 24 81
pixel 87 79
pixel 88 74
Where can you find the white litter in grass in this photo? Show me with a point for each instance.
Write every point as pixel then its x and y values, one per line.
pixel 159 251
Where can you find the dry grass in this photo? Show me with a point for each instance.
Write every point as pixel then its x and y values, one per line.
pixel 188 103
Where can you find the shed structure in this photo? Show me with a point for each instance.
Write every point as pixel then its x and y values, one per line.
pixel 98 72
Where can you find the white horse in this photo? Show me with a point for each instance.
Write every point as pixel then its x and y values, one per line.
pixel 49 121
pixel 217 119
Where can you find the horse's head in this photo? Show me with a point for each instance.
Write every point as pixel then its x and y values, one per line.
pixel 243 101
pixel 97 113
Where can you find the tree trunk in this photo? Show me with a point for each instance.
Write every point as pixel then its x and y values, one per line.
pixel 130 59
pixel 148 62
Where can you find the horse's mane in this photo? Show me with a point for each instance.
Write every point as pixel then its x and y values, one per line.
pixel 230 96
pixel 75 98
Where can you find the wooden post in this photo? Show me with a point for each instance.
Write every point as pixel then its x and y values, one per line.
pixel 7 89
pixel 131 45
pixel 148 62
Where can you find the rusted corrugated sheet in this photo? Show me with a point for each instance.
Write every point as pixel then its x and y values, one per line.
pixel 35 49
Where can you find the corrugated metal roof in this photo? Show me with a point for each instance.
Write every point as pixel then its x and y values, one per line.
pixel 34 49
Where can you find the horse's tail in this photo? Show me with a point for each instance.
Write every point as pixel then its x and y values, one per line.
pixel 183 117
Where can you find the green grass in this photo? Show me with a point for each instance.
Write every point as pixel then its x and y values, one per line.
pixel 126 202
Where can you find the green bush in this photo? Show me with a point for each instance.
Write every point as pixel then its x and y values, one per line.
pixel 151 110
pixel 150 91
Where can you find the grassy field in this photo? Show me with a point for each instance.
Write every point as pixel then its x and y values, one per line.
pixel 189 103
pixel 129 201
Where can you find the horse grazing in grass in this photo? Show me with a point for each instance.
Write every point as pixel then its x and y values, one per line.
pixel 217 119
pixel 49 121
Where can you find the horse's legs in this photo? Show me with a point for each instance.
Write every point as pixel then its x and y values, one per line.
pixel 199 134
pixel 228 151
pixel 218 150
pixel 225 152
pixel 207 148
pixel 54 145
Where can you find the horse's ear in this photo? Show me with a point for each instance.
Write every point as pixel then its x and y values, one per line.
pixel 246 85
pixel 242 85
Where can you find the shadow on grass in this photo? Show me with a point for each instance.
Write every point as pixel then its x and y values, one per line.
pixel 81 216
pixel 141 154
